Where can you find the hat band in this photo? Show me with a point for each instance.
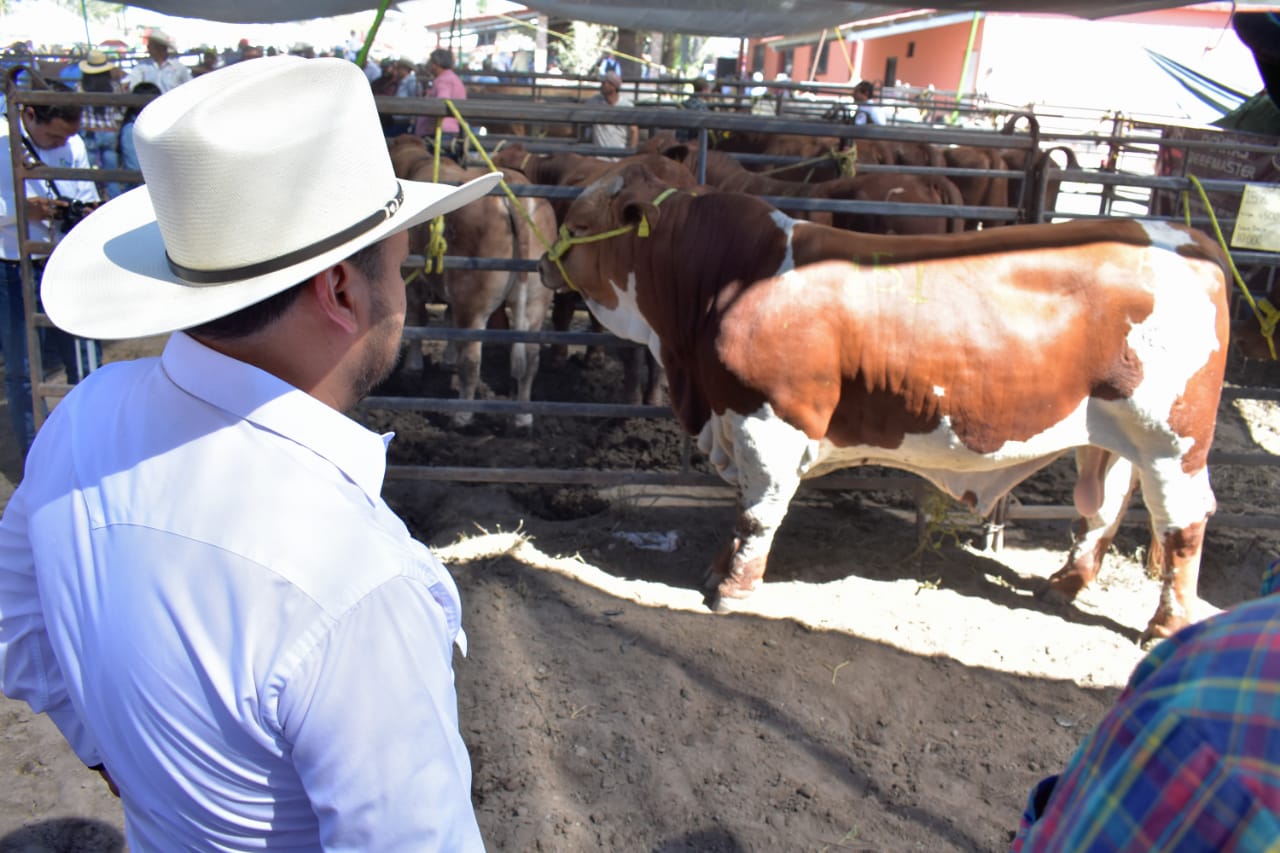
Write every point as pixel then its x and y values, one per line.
pixel 195 276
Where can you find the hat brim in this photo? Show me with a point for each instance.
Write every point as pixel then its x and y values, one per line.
pixel 109 277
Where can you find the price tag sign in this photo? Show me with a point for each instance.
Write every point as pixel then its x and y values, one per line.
pixel 1258 222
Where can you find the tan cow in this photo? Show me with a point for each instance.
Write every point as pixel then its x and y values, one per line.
pixel 970 359
pixel 489 228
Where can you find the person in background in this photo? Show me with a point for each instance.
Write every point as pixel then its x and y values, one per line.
pixel 1188 757
pixel 445 85
pixel 200 582
pixel 128 149
pixel 607 135
pixel 385 87
pixel 208 62
pixel 610 64
pixel 100 126
pixel 696 101
pixel 406 87
pixel 867 112
pixel 49 137
pixel 162 68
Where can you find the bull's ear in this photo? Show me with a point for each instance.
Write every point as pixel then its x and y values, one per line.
pixel 679 153
pixel 641 214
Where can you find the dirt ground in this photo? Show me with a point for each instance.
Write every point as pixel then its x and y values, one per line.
pixel 872 696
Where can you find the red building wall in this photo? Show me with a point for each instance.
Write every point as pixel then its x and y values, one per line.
pixel 924 56
pixel 932 56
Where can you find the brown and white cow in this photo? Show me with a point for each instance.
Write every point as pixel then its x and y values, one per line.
pixel 971 359
pixel 642 377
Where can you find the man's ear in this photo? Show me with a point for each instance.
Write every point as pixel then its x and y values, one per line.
pixel 337 296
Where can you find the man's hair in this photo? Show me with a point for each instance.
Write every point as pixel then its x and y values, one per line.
pixel 442 56
pixel 45 113
pixel 100 82
pixel 866 87
pixel 700 84
pixel 247 321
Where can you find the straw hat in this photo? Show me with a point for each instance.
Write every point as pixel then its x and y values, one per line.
pixel 160 37
pixel 95 63
pixel 258 176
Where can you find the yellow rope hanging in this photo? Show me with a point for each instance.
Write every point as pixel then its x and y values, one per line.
pixel 436 244
pixel 1268 316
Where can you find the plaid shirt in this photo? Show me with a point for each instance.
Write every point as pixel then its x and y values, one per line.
pixel 1188 758
pixel 95 119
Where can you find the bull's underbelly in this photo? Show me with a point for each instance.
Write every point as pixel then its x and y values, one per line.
pixel 758 449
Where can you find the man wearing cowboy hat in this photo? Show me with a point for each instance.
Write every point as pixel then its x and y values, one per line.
pixel 100 128
pixel 162 69
pixel 199 580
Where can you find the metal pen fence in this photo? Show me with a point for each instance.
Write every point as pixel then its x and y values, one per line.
pixel 1121 184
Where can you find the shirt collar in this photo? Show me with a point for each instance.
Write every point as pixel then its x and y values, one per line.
pixel 269 402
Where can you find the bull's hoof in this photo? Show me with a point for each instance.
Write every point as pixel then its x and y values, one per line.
pixel 724 594
pixel 1050 594
pixel 1061 588
pixel 724 604
pixel 1161 628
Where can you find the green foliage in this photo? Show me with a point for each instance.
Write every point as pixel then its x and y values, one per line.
pixel 941 526
pixel 584 47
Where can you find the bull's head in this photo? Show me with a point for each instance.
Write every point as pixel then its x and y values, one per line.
pixel 595 253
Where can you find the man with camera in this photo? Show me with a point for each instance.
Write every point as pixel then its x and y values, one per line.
pixel 50 138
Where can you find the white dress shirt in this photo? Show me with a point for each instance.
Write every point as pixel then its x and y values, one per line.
pixel 169 75
pixel 202 587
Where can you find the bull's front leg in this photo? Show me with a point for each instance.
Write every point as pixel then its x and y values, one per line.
pixel 766 457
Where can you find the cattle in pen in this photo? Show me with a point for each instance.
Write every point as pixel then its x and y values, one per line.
pixel 726 173
pixel 492 227
pixel 972 359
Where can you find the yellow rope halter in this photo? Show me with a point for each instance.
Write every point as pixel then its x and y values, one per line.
pixel 567 241
pixel 1267 314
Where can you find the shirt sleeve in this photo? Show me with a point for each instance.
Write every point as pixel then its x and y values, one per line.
pixel 372 716
pixel 85 191
pixel 29 670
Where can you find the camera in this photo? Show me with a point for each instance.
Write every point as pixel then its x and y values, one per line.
pixel 72 213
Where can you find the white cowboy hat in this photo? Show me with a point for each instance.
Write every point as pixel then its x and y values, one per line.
pixel 95 63
pixel 258 176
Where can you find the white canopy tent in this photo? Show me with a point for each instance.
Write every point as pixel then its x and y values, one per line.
pixel 707 17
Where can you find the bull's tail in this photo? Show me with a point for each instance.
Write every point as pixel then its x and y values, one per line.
pixel 950 194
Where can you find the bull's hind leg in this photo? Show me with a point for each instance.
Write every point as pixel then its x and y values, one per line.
pixel 766 457
pixel 1104 485
pixel 528 306
pixel 1180 504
